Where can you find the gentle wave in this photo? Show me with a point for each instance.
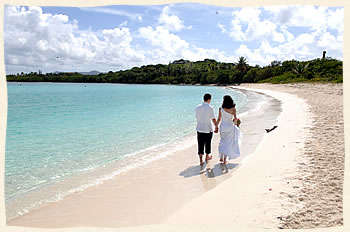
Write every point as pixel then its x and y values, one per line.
pixel 143 159
pixel 60 185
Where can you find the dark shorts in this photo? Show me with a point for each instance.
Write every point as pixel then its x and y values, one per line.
pixel 204 140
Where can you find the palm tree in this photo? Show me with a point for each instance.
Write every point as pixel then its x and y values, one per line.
pixel 299 68
pixel 242 64
pixel 242 67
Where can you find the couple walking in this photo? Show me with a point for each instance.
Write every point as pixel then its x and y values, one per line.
pixel 229 146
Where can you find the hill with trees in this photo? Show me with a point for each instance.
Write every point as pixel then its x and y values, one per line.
pixel 208 71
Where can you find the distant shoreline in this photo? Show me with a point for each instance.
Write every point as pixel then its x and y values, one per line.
pixel 58 82
pixel 205 72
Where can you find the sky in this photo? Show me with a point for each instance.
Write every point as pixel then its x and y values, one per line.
pixel 119 37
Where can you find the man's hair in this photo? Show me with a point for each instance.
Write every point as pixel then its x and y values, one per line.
pixel 206 97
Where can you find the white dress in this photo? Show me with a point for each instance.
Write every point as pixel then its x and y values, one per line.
pixel 230 141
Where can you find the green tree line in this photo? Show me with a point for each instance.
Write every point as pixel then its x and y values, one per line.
pixel 203 72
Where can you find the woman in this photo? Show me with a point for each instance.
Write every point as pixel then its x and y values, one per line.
pixel 229 145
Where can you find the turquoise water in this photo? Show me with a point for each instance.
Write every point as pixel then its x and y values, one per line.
pixel 60 131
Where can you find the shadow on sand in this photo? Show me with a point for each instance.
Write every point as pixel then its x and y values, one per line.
pixel 211 172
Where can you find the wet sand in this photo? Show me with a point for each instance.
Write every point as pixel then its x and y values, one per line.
pixel 295 177
pixel 292 179
pixel 148 195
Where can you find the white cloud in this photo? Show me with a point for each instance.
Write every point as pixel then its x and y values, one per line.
pixel 34 39
pixel 266 48
pixel 305 46
pixel 53 42
pixel 171 22
pixel 247 14
pixel 329 42
pixel 300 46
pixel 123 24
pixel 255 28
pixel 236 31
pixel 279 37
pixel 222 28
pixel 160 37
pixel 106 10
pixel 318 20
pixel 299 16
pixel 197 53
pixel 253 56
pixel 336 20
pixel 289 36
pixel 266 53
pixel 167 46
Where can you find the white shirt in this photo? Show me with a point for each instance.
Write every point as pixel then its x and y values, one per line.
pixel 204 115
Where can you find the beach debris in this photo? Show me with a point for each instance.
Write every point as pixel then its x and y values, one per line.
pixel 270 189
pixel 269 130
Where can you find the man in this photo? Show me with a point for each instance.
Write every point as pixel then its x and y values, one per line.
pixel 205 115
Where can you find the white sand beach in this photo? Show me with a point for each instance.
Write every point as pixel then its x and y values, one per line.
pixel 293 179
pixel 254 196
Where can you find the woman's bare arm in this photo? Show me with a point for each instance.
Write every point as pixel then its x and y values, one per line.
pixel 219 118
pixel 234 115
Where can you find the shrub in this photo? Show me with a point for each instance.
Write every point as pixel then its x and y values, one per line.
pixel 284 78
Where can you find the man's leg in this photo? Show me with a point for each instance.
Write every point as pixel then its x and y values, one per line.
pixel 201 159
pixel 200 141
pixel 209 136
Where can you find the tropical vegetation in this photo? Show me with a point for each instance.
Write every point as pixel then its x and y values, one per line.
pixel 208 71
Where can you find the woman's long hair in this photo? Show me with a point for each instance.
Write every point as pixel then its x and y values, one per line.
pixel 228 102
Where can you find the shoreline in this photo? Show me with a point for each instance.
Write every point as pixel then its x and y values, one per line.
pixel 114 83
pixel 200 180
pixel 292 180
pixel 251 198
pixel 299 184
pixel 113 147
